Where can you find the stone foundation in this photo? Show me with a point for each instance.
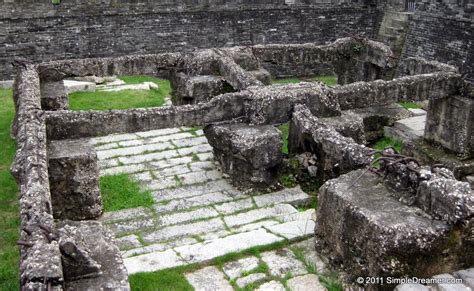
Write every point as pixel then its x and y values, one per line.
pixel 250 155
pixel 74 180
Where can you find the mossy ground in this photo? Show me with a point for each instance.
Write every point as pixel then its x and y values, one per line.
pixel 328 80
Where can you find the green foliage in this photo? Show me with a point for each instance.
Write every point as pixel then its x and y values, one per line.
pixel 169 280
pixel 409 105
pixel 121 192
pixel 101 100
pixel 357 49
pixel 9 211
pixel 328 80
pixel 288 180
pixel 385 142
pixel 285 129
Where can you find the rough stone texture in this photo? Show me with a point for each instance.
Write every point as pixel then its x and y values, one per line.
pixel 90 124
pixel 450 122
pixel 40 259
pixel 348 124
pixel 74 180
pixel 98 242
pixel 335 154
pixel 207 279
pixel 370 233
pixel 251 155
pixel 271 286
pixel 273 104
pixel 72 86
pixel 283 261
pixel 236 268
pixel 263 76
pixel 467 276
pixel 196 89
pixel 376 117
pixel 308 282
pixel 54 96
pixel 220 24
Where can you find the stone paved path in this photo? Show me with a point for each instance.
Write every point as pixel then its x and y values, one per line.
pixel 198 215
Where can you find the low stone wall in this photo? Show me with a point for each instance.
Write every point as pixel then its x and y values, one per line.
pixel 40 258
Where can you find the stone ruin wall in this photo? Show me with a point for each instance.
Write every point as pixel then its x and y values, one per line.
pixel 252 103
pixel 37 31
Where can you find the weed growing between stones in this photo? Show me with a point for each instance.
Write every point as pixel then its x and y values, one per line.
pixel 126 99
pixel 9 213
pixel 285 129
pixel 121 192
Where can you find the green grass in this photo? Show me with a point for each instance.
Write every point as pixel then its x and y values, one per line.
pixel 9 211
pixel 169 280
pixel 122 99
pixel 328 80
pixel 385 142
pixel 121 192
pixel 285 129
pixel 409 105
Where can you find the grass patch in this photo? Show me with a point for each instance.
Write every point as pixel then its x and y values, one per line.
pixel 121 192
pixel 285 130
pixel 9 210
pixel 170 279
pixel 385 142
pixel 122 99
pixel 328 80
pixel 409 105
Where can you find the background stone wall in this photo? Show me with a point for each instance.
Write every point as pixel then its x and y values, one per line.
pixel 437 37
pixel 39 31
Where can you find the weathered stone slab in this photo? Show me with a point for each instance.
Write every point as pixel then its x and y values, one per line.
pixel 158 132
pixel 202 200
pixel 128 169
pixel 252 278
pixel 207 279
pixel 152 262
pixel 203 252
pixel 234 206
pixel 176 231
pixel 193 190
pixel 293 229
pixel 74 180
pixel 311 257
pixel 128 242
pixel 255 225
pixel 308 282
pixel 272 286
pixel 124 214
pixel 54 96
pixel 100 245
pixel 135 150
pixel 236 268
pixel 78 86
pixel 113 138
pixel 257 214
pixel 127 226
pixel 251 155
pixel 197 89
pixel 282 262
pixel 158 247
pixel 374 214
pixel 294 196
pixel 180 217
pixel 411 287
pixel 448 286
pixel 450 123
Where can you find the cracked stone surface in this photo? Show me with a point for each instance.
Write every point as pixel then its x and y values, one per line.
pixel 198 215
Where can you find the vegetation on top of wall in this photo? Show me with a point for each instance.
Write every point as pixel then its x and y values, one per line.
pixel 385 142
pixel 9 209
pixel 328 80
pixel 100 100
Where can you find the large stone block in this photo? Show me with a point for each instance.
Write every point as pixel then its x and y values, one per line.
pixel 74 180
pixel 335 153
pixel 450 123
pixel 54 96
pixel 92 259
pixel 251 155
pixel 197 89
pixel 368 232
